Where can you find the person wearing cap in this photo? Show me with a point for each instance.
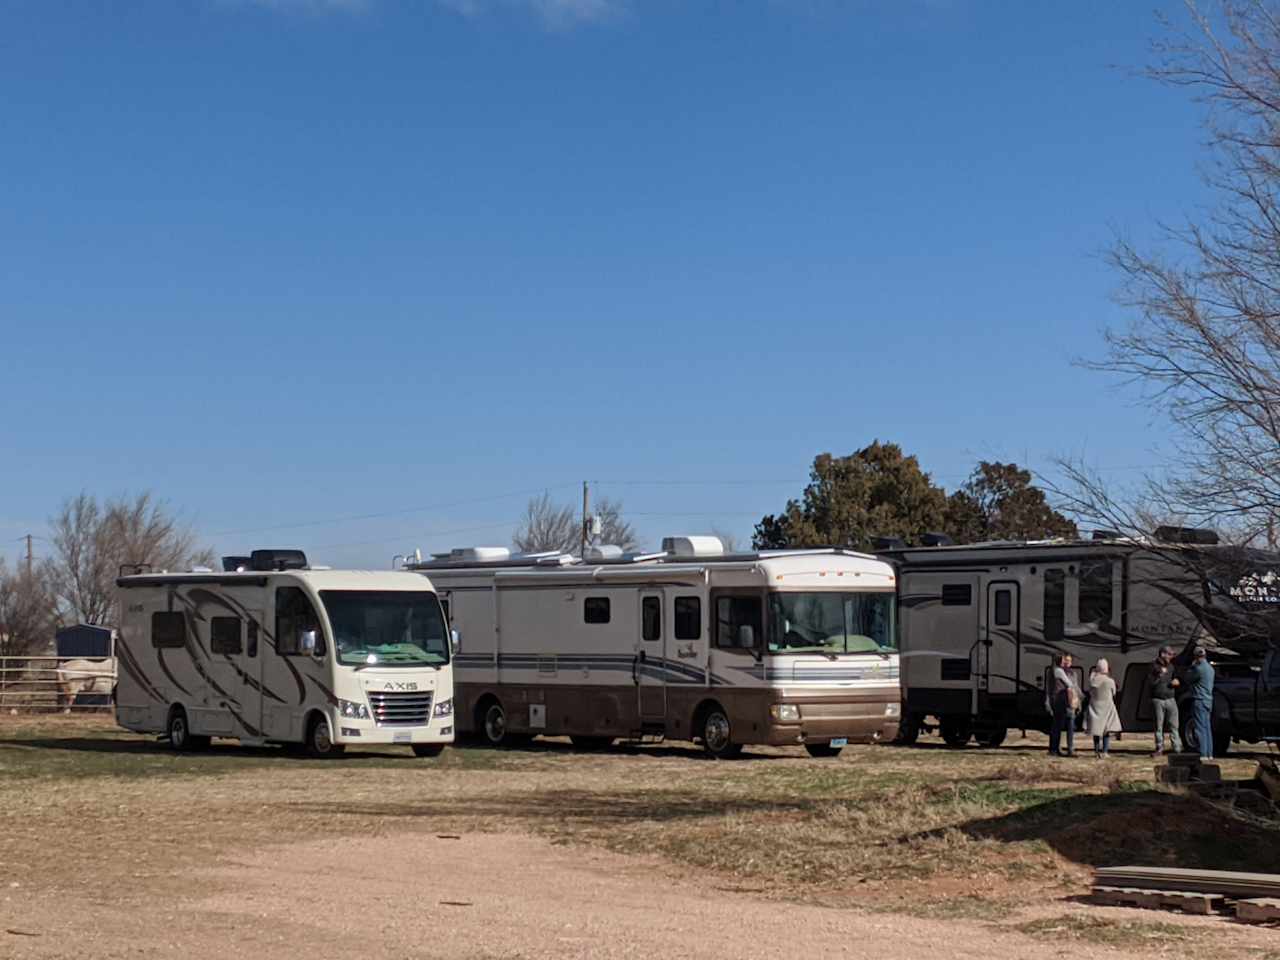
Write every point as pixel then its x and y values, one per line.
pixel 1200 685
pixel 1164 703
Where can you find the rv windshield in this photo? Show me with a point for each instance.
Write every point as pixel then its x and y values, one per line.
pixel 386 628
pixel 831 623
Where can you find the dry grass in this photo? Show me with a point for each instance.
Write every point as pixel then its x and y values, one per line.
pixel 975 834
pixel 1127 934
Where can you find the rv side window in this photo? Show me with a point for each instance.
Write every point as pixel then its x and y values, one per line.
pixel 957 594
pixel 1055 603
pixel 688 618
pixel 295 616
pixel 1095 605
pixel 224 635
pixel 251 646
pixel 651 619
pixel 168 629
pixel 595 610
pixel 1004 608
pixel 733 613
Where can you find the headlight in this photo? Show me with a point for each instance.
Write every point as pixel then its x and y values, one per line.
pixel 444 708
pixel 893 709
pixel 353 710
pixel 785 712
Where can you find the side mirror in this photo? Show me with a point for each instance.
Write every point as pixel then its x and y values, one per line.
pixel 746 637
pixel 455 641
pixel 307 642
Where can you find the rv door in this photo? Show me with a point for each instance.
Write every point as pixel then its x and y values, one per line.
pixel 998 656
pixel 651 687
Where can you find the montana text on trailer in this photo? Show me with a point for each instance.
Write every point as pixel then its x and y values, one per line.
pixel 778 647
pixel 273 651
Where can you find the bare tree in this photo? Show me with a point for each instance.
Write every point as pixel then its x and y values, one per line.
pixel 727 538
pixel 91 542
pixel 547 526
pixel 28 611
pixel 1205 342
pixel 550 526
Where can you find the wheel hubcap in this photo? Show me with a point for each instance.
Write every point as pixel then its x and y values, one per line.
pixel 495 724
pixel 321 738
pixel 716 732
pixel 178 731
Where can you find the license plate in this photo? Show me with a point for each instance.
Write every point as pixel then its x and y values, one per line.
pixel 840 742
pixel 405 737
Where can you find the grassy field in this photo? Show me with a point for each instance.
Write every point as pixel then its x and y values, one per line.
pixel 996 836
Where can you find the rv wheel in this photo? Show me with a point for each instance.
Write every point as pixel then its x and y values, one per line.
pixel 180 736
pixel 717 737
pixel 1191 742
pixel 908 730
pixel 493 724
pixel 991 737
pixel 320 740
pixel 822 750
pixel 956 731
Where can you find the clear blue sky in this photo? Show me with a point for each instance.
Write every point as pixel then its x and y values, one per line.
pixel 286 262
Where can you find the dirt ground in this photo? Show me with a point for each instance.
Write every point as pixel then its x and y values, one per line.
pixel 112 847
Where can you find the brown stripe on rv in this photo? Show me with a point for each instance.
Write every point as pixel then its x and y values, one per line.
pixel 125 656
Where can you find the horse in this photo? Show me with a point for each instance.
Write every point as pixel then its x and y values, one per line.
pixel 75 677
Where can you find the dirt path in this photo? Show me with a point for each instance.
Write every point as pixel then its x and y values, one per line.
pixel 479 896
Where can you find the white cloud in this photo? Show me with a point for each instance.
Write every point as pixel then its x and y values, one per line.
pixel 556 13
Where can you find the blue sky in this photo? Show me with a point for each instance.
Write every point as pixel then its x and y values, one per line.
pixel 293 261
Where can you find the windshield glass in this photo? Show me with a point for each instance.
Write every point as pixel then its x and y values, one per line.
pixel 386 628
pixel 830 623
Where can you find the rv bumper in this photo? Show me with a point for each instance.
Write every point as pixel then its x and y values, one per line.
pixel 356 732
pixel 858 721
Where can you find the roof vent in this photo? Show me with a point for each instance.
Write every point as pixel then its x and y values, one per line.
pixel 935 540
pixel 603 553
pixel 1187 535
pixel 479 554
pixel 234 564
pixel 681 547
pixel 1106 534
pixel 264 561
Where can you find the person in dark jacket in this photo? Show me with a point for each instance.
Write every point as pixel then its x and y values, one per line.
pixel 1164 703
pixel 1200 685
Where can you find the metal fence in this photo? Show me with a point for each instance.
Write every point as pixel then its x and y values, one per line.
pixel 55 684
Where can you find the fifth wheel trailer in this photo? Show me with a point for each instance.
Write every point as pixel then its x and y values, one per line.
pixel 777 647
pixel 981 623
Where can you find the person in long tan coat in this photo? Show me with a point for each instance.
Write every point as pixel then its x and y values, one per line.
pixel 1102 718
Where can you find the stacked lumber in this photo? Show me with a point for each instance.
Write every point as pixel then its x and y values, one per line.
pixel 1269 778
pixel 1254 897
pixel 1186 768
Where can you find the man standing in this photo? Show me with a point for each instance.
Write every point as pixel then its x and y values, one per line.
pixel 1163 702
pixel 1064 701
pixel 1200 683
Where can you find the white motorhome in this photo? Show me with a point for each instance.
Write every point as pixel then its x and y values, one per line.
pixel 780 647
pixel 981 623
pixel 273 651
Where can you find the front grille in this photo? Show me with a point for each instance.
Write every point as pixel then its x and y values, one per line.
pixel 400 709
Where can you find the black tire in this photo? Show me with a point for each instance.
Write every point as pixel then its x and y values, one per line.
pixel 428 749
pixel 1191 742
pixel 991 737
pixel 908 729
pixel 493 725
pixel 591 744
pixel 178 730
pixel 319 741
pixel 822 750
pixel 956 731
pixel 717 734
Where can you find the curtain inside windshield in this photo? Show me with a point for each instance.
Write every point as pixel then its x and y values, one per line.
pixel 386 627
pixel 831 623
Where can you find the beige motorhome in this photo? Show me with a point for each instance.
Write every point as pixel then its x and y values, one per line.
pixel 271 650
pixel 778 647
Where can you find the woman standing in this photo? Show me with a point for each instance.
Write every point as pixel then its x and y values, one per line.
pixel 1103 719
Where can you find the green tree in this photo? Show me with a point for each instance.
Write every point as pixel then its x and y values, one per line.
pixel 999 502
pixel 877 491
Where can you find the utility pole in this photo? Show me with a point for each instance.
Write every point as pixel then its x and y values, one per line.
pixel 586 519
pixel 29 556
